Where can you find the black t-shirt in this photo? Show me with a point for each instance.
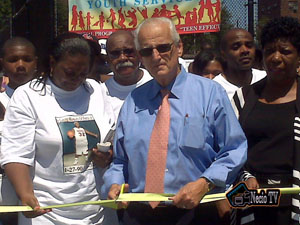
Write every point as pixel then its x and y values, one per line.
pixel 269 131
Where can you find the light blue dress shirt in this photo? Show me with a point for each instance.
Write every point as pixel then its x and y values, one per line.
pixel 205 138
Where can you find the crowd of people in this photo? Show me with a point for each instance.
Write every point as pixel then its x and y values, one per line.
pixel 183 131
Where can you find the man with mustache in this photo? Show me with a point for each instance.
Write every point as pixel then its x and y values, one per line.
pixel 238 50
pixel 125 64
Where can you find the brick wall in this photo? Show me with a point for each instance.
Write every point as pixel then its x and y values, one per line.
pixel 290 8
pixel 275 8
pixel 267 8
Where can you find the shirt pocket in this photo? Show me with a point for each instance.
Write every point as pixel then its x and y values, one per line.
pixel 192 135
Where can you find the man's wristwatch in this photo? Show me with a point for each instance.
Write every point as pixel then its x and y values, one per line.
pixel 210 185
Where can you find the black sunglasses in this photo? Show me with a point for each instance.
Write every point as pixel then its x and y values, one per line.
pixel 116 53
pixel 144 52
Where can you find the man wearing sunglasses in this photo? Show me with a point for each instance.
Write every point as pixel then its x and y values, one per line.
pixel 203 150
pixel 124 62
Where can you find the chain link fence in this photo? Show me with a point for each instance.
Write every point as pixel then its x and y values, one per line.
pixel 238 11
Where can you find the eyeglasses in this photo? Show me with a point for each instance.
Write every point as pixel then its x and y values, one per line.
pixel 145 52
pixel 129 52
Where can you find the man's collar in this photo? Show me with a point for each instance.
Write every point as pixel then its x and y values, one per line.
pixel 238 78
pixel 175 87
pixel 138 75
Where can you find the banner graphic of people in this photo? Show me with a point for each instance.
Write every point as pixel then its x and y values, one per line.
pixel 101 17
pixel 80 134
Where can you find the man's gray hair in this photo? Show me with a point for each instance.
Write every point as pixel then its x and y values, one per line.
pixel 156 20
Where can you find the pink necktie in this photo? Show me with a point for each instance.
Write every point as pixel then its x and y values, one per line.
pixel 158 148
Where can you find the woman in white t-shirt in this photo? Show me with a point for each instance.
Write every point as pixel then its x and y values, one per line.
pixel 37 155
